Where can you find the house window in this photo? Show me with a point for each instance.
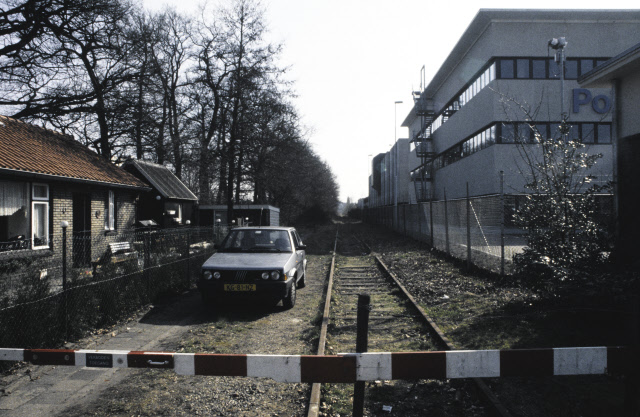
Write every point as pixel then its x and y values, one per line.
pixel 110 211
pixel 14 215
pixel 174 211
pixel 40 216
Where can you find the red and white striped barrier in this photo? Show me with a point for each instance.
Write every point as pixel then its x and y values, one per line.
pixel 349 367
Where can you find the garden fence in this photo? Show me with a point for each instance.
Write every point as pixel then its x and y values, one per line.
pixel 479 230
pixel 55 295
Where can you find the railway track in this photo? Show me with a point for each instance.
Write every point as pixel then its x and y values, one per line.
pixel 393 324
pixel 396 324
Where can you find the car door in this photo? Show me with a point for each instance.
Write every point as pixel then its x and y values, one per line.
pixel 300 254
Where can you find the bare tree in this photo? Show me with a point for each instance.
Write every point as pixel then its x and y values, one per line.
pixel 74 62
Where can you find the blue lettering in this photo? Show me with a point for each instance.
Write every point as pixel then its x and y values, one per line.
pixel 577 101
pixel 604 106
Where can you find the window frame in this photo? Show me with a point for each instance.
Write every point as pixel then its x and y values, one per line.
pixel 44 202
pixel 110 224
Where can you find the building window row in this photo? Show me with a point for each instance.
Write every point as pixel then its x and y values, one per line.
pixel 474 87
pixel 520 132
pixel 544 68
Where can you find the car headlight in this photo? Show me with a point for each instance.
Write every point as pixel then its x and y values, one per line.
pixel 207 275
pixel 265 275
pixel 275 275
pixel 216 275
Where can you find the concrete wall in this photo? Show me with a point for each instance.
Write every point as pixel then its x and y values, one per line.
pixel 628 92
pixel 482 171
pixel 404 161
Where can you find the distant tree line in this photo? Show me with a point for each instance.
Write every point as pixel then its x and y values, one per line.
pixel 204 95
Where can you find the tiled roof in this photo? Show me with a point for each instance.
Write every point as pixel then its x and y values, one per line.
pixel 162 179
pixel 25 148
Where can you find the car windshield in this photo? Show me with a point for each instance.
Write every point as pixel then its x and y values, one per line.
pixel 256 240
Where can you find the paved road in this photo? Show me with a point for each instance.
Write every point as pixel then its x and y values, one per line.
pixel 48 390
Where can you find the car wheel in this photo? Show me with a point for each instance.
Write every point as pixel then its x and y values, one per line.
pixel 301 282
pixel 290 300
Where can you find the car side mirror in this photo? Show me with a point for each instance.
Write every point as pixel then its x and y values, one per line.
pixel 302 247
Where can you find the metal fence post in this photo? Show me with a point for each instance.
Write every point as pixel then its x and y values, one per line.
pixel 147 261
pixel 446 224
pixel 64 225
pixel 362 341
pixel 189 229
pixel 404 218
pixel 502 223
pixel 468 229
pixel 431 222
pixel 419 221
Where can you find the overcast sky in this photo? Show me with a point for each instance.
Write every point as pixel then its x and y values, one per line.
pixel 351 60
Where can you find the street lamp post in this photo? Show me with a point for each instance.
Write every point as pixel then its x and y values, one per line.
pixel 558 44
pixel 395 139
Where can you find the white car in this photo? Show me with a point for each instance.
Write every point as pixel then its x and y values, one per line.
pixel 256 262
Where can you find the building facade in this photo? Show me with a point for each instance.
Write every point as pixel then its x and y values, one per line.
pixel 621 75
pixel 499 88
pixel 389 180
pixel 48 179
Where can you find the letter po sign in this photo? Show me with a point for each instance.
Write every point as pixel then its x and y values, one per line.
pixel 601 104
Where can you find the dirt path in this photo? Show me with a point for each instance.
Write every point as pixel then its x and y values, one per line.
pixel 180 324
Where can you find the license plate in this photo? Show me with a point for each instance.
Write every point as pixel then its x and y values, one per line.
pixel 239 287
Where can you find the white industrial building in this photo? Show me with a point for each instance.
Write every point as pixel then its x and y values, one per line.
pixel 465 121
pixel 473 123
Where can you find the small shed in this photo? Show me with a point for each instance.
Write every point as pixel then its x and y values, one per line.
pixel 170 203
pixel 244 214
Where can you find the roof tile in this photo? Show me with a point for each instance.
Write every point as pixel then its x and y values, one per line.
pixel 32 149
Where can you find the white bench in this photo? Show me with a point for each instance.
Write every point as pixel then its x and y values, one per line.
pixel 118 252
pixel 122 252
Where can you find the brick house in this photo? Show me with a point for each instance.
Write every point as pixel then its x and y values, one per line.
pixel 47 177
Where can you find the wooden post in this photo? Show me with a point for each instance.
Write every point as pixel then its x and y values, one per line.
pixel 362 341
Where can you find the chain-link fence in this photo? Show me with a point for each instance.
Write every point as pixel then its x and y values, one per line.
pixel 86 282
pixel 479 230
